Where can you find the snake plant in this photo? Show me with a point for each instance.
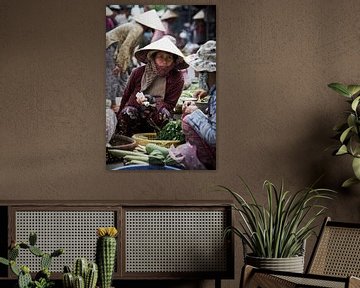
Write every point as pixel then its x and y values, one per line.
pixel 280 228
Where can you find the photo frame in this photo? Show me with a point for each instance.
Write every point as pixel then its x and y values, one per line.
pixel 160 87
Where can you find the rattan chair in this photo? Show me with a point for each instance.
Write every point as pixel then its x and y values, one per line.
pixel 335 262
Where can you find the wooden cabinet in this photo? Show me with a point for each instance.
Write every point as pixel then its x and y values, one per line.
pixel 167 240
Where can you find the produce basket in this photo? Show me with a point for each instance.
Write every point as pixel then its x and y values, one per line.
pixel 146 138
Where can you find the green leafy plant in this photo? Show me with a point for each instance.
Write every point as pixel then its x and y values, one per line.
pixel 279 229
pixel 42 278
pixel 348 133
pixel 171 131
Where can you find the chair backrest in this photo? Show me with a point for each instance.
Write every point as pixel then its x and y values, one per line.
pixel 337 251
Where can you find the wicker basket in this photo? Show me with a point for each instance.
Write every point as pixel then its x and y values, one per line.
pixel 146 138
pixel 122 142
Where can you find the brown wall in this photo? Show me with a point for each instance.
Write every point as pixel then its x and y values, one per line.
pixel 275 112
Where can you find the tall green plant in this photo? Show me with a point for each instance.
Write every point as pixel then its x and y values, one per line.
pixel 348 133
pixel 279 229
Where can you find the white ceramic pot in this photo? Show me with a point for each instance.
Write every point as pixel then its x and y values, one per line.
pixel 291 264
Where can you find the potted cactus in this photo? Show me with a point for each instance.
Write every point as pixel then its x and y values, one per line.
pixel 106 254
pixel 42 278
pixel 84 275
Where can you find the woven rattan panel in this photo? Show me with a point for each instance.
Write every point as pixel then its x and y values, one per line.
pixel 338 253
pixel 74 231
pixel 175 241
pixel 313 282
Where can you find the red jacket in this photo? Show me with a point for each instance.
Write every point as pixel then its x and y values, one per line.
pixel 174 86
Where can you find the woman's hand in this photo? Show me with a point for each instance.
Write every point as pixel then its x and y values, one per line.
pixel 115 107
pixel 117 70
pixel 140 98
pixel 188 107
pixel 200 93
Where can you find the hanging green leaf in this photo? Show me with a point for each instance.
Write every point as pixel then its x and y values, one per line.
pixel 353 89
pixel 349 182
pixel 340 88
pixel 356 167
pixel 345 134
pixel 354 145
pixel 351 120
pixel 342 150
pixel 355 103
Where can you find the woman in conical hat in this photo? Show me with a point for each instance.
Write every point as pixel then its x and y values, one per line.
pixel 153 89
pixel 198 28
pixel 168 19
pixel 120 45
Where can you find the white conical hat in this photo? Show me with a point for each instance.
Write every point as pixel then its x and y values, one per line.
pixel 108 11
pixel 163 44
pixel 150 19
pixel 199 15
pixel 168 15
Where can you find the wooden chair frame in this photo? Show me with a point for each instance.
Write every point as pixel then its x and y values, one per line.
pixel 335 262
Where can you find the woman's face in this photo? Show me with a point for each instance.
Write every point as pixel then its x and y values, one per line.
pixel 164 59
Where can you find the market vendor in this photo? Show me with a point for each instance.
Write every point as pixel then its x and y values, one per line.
pixel 200 128
pixel 120 45
pixel 152 90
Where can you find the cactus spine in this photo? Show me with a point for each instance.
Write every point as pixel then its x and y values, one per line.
pixel 79 282
pixel 83 276
pixel 91 276
pixel 80 267
pixel 68 280
pixel 106 254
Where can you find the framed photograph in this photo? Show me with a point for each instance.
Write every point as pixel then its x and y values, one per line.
pixel 160 87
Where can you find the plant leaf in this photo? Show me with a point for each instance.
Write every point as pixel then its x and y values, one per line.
pixel 355 103
pixel 345 134
pixel 4 261
pixel 351 120
pixel 353 89
pixel 340 88
pixel 356 167
pixel 342 150
pixel 349 182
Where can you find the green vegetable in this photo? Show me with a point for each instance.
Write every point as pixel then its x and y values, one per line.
pixel 151 147
pixel 122 153
pixel 171 131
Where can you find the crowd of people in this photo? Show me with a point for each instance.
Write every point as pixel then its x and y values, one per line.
pixel 152 54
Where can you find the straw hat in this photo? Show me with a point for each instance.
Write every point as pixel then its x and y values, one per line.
pixel 163 44
pixel 199 15
pixel 108 11
pixel 168 15
pixel 205 58
pixel 150 19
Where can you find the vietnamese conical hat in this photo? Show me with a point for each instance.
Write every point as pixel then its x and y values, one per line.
pixel 199 15
pixel 115 7
pixel 150 19
pixel 168 15
pixel 163 44
pixel 108 11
